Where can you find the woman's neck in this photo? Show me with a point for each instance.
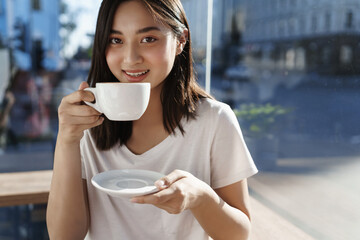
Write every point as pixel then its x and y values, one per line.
pixel 149 130
pixel 153 115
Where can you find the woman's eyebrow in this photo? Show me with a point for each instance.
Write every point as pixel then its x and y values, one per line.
pixel 142 30
pixel 148 29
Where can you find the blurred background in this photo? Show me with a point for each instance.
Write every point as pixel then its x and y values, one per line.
pixel 290 69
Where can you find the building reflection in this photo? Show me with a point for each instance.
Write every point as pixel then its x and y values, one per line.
pixel 30 43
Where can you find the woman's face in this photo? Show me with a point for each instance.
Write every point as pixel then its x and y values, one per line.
pixel 140 49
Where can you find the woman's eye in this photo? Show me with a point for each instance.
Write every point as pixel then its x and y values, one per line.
pixel 148 40
pixel 115 41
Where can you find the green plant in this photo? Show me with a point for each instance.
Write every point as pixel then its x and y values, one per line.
pixel 259 120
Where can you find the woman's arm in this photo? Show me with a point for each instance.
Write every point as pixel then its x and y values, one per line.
pixel 67 214
pixel 223 213
pixel 67 211
pixel 229 217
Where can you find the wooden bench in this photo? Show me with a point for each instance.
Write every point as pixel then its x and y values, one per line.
pixel 22 188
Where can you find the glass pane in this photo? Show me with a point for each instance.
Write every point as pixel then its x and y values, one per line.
pixel 31 72
pixel 290 70
pixel 197 21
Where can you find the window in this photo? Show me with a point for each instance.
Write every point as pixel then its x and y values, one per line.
pixel 349 20
pixel 281 28
pixel 294 3
pixel 292 27
pixel 1 7
pixel 326 55
pixel 300 59
pixel 304 63
pixel 345 55
pixel 278 4
pixel 302 26
pixel 314 24
pixel 36 4
pixel 327 21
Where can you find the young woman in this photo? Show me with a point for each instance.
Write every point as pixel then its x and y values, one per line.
pixel 185 134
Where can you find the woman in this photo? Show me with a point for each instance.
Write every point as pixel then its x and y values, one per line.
pixel 193 139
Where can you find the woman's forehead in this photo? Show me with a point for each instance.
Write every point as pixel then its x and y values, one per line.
pixel 134 15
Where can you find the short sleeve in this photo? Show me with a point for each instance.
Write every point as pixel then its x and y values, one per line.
pixel 82 144
pixel 230 158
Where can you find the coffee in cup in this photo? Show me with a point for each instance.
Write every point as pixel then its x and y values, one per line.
pixel 120 101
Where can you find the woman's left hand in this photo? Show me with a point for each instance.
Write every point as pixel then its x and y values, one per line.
pixel 179 191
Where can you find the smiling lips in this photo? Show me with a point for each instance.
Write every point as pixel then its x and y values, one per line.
pixel 135 76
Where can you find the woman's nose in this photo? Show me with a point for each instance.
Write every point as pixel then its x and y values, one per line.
pixel 132 54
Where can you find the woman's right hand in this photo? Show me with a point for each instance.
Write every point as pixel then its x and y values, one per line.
pixel 75 117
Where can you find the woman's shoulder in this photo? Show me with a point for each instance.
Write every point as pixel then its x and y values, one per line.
pixel 213 113
pixel 212 108
pixel 214 116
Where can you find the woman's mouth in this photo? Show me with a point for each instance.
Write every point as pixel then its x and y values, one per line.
pixel 135 76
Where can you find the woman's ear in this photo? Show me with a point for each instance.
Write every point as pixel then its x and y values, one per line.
pixel 181 42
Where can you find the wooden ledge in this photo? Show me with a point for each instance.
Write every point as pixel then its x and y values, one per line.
pixel 21 188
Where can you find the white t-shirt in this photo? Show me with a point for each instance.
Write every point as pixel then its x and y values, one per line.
pixel 212 149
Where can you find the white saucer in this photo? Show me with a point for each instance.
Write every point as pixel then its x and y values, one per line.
pixel 127 183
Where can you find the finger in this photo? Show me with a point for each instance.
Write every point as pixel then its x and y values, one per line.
pixel 83 85
pixel 79 96
pixel 82 111
pixel 76 120
pixel 167 208
pixel 95 124
pixel 164 207
pixel 82 127
pixel 166 181
pixel 156 198
pixel 66 109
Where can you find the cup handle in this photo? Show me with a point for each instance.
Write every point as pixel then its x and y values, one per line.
pixel 93 105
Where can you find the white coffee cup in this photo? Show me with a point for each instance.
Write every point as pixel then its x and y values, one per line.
pixel 121 101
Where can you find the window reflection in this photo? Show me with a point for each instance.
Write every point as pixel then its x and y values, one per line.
pixel 298 59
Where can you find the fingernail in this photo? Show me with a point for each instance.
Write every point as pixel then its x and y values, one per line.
pixel 160 184
pixel 134 200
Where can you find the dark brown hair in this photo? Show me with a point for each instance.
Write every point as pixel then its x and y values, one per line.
pixel 180 92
